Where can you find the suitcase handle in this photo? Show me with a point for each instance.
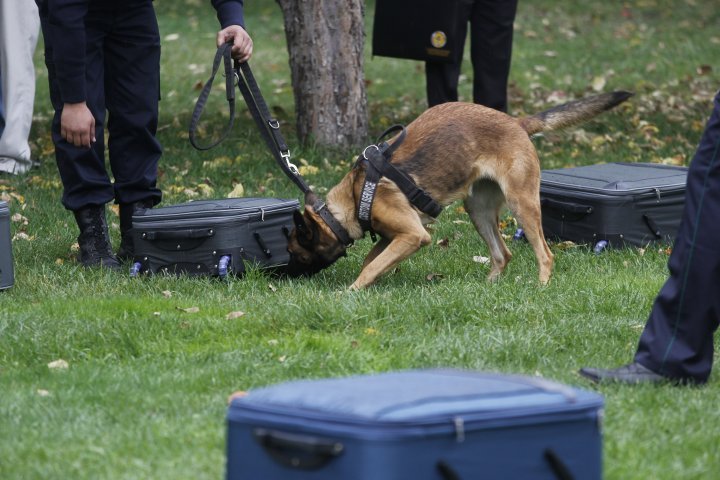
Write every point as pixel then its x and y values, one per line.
pixel 298 451
pixel 567 207
pixel 179 234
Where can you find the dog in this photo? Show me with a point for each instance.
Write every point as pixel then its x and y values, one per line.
pixel 453 151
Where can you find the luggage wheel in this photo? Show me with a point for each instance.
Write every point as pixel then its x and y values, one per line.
pixel 135 269
pixel 600 246
pixel 223 264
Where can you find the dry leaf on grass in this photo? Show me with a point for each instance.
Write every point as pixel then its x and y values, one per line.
pixel 233 315
pixel 272 287
pixel 59 364
pixel 480 259
pixel 43 393
pixel 189 309
pixel 167 293
pixel 434 276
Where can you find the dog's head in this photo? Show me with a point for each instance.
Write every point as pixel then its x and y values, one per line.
pixel 312 245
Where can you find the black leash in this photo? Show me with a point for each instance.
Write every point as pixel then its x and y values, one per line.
pixel 269 128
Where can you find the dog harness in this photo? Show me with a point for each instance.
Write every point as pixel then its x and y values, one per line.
pixel 376 160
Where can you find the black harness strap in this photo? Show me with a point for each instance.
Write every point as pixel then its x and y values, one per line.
pixel 378 165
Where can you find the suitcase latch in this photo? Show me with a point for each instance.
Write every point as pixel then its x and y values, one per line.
pixel 459 429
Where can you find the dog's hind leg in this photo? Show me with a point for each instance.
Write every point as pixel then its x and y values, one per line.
pixel 483 205
pixel 526 208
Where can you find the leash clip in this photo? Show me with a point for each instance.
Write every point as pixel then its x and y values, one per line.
pixel 291 166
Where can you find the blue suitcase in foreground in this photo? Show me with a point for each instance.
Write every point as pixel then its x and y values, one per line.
pixel 416 425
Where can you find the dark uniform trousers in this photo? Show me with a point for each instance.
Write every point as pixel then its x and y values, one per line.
pixel 678 338
pixel 123 77
pixel 491 36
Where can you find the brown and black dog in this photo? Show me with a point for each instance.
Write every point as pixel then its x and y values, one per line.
pixel 454 151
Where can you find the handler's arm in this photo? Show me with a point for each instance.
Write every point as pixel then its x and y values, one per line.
pixel 66 19
pixel 232 22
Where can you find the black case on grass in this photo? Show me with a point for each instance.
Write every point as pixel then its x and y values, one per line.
pixel 620 203
pixel 7 278
pixel 213 237
pixel 417 30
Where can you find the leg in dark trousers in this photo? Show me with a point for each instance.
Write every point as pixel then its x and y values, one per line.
pixel 490 48
pixel 491 38
pixel 132 91
pixel 678 338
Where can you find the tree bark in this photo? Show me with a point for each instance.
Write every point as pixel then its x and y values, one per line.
pixel 325 42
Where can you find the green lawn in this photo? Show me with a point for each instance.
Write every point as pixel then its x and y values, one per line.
pixel 145 392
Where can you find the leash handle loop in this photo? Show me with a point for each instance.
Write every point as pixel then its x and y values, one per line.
pixel 222 54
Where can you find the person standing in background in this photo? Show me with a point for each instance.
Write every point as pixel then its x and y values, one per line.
pixel 491 37
pixel 104 55
pixel 19 29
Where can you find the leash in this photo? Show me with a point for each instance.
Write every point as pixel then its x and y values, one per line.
pixel 269 128
pixel 377 161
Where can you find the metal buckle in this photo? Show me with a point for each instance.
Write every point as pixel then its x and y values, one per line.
pixel 366 148
pixel 286 156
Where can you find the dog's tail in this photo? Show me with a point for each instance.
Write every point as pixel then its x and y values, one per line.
pixel 572 113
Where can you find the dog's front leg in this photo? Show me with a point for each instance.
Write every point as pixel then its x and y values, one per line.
pixel 376 250
pixel 397 250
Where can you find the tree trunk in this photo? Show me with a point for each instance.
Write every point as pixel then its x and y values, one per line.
pixel 325 41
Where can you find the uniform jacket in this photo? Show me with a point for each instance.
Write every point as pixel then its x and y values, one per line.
pixel 64 24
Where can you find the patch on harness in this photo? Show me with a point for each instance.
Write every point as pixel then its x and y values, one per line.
pixel 366 199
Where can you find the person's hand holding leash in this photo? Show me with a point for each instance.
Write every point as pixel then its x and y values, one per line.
pixel 242 43
pixel 77 124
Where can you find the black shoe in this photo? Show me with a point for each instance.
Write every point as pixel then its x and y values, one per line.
pixel 126 251
pixel 632 373
pixel 94 242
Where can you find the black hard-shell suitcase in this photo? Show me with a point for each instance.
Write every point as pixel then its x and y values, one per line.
pixel 417 30
pixel 213 237
pixel 7 278
pixel 416 425
pixel 613 204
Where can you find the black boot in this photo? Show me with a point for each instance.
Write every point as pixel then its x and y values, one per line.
pixel 95 250
pixel 127 210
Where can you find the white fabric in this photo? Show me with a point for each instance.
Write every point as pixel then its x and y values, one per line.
pixel 19 29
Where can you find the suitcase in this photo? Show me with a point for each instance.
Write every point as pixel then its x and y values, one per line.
pixel 613 204
pixel 213 237
pixel 7 278
pixel 417 30
pixel 416 425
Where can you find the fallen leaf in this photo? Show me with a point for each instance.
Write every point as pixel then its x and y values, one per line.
pixel 167 293
pixel 443 243
pixel 59 364
pixel 434 276
pixel 23 236
pixel 282 359
pixel 172 37
pixel 272 342
pixel 703 69
pixel 370 331
pixel 237 192
pixel 43 393
pixel 482 260
pixel 598 83
pixel 189 309
pixel 272 287
pixel 233 315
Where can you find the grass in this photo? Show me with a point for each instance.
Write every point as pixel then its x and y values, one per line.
pixel 145 392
